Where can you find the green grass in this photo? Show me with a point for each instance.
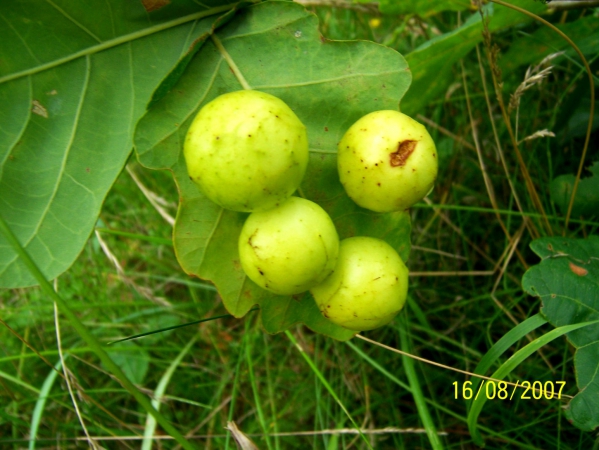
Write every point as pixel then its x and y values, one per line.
pixel 288 399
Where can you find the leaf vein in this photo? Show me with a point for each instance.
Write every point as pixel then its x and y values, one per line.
pixel 329 80
pixel 72 20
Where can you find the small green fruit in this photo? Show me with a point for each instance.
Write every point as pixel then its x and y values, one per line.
pixel 387 161
pixel 289 249
pixel 368 287
pixel 246 150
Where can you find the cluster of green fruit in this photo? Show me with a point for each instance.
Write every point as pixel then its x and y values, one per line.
pixel 248 151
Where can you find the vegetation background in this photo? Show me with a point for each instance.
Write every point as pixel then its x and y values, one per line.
pixel 300 389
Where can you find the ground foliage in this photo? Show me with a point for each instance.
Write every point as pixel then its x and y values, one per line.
pixel 69 110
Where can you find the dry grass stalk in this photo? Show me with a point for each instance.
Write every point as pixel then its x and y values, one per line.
pixel 492 56
pixel 537 135
pixel 534 75
pixel 142 290
pixel 443 366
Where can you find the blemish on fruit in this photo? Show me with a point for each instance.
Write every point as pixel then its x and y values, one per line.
pixel 403 152
pixel 326 128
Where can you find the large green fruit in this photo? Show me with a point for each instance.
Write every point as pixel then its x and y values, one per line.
pixel 368 287
pixel 290 248
pixel 387 161
pixel 246 150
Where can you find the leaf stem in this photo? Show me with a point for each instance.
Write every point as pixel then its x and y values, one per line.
pixel 223 51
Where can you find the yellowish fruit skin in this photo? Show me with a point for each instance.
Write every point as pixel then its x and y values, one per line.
pixel 387 161
pixel 288 249
pixel 246 150
pixel 368 287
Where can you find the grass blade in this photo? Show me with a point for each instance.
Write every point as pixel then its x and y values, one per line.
pixel 408 363
pixel 326 384
pixel 88 337
pixel 507 367
pixel 503 344
pixel 159 394
pixel 40 404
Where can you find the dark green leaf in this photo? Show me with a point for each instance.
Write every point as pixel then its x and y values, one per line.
pixel 586 201
pixel 532 48
pixel 329 85
pixel 133 360
pixel 567 281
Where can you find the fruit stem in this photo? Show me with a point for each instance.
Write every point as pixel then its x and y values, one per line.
pixel 231 63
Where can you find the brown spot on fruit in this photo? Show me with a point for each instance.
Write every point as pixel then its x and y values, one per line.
pixel 403 152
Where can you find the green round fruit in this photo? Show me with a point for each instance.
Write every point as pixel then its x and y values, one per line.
pixel 246 150
pixel 387 161
pixel 290 248
pixel 368 287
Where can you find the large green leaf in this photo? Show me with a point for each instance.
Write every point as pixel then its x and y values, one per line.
pixel 432 63
pixel 74 79
pixel 567 281
pixel 277 49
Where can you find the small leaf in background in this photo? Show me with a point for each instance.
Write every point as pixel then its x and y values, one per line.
pixel 423 8
pixel 73 83
pixel 567 281
pixel 586 201
pixel 132 359
pixel 532 48
pixel 277 48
